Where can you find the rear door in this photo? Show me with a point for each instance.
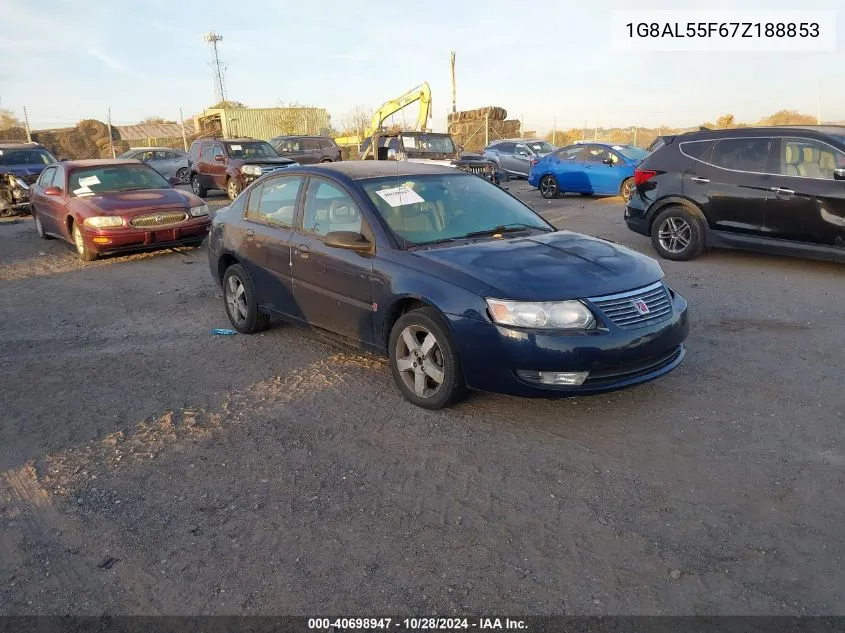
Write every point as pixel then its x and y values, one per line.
pixel 268 220
pixel 808 203
pixel 311 151
pixel 730 183
pixel 332 286
pixel 522 159
pixel 328 149
pixel 204 163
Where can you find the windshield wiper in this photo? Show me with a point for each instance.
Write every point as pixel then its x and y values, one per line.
pixel 507 228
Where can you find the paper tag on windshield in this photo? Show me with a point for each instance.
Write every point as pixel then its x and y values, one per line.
pixel 400 196
pixel 409 141
pixel 237 148
pixel 88 181
pixel 82 191
pixel 616 147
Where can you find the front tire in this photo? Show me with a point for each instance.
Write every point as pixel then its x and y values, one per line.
pixel 326 160
pixel 82 250
pixel 424 360
pixel 239 299
pixel 677 234
pixel 197 188
pixel 183 176
pixel 233 188
pixel 549 188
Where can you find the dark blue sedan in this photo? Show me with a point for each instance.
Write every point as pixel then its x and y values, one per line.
pixel 589 169
pixel 459 283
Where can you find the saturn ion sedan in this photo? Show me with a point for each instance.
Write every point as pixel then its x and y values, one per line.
pixel 459 283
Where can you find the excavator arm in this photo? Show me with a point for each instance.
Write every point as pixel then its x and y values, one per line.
pixel 421 93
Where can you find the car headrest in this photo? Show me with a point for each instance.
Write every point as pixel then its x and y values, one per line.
pixel 811 154
pixel 792 155
pixel 827 161
pixel 341 212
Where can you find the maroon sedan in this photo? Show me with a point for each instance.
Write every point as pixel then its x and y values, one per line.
pixel 111 206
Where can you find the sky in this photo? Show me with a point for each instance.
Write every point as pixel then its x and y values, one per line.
pixel 547 62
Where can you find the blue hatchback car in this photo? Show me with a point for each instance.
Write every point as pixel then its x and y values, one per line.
pixel 588 169
pixel 459 283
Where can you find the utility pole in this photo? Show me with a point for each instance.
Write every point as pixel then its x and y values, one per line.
pixel 452 62
pixel 635 135
pixel 111 142
pixel 554 133
pixel 819 110
pixel 584 135
pixel 596 136
pixel 184 136
pixel 219 88
pixel 26 123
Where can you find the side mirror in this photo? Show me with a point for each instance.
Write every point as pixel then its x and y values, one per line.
pixel 348 240
pixel 218 158
pixel 53 191
pixel 839 174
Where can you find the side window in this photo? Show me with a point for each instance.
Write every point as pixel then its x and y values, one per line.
pixel 161 155
pixel 326 143
pixel 505 148
pixel 46 177
pixel 697 149
pixel 522 149
pixel 808 158
pixel 218 150
pixel 195 152
pixel 206 155
pixel 596 154
pixel 59 177
pixel 274 201
pixel 309 143
pixel 329 208
pixel 742 154
pixel 575 154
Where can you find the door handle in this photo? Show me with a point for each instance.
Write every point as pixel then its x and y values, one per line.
pixel 302 250
pixel 786 192
pixel 700 179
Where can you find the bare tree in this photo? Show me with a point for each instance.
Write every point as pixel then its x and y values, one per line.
pixel 8 120
pixel 356 121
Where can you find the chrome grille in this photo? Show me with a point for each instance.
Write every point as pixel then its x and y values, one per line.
pixel 162 218
pixel 485 171
pixel 623 308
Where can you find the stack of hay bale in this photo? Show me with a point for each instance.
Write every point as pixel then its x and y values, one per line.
pixel 468 127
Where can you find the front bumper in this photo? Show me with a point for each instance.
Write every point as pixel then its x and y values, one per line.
pixel 502 359
pixel 108 241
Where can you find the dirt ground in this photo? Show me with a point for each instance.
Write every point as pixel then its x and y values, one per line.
pixel 149 467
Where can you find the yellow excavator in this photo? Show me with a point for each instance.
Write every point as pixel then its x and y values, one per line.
pixel 421 93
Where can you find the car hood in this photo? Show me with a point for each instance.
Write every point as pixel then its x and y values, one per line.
pixel 281 160
pixel 131 201
pixel 549 266
pixel 22 170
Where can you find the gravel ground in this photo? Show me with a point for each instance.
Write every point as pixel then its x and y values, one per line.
pixel 148 467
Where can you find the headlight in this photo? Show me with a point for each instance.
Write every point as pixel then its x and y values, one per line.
pixel 562 315
pixel 21 184
pixel 251 170
pixel 104 221
pixel 199 211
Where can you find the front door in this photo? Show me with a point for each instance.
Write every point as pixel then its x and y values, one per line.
pixel 204 164
pixel 602 170
pixel 732 184
pixel 54 206
pixel 808 203
pixel 522 159
pixel 41 203
pixel 332 286
pixel 270 211
pixel 218 166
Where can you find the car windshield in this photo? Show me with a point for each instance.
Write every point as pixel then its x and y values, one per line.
pixel 256 149
pixel 541 147
pixel 93 180
pixel 631 152
pixel 26 157
pixel 432 208
pixel 436 143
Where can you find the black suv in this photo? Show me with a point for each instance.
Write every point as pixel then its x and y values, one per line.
pixel 307 150
pixel 772 189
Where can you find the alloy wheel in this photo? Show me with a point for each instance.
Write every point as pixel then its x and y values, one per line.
pixel 236 300
pixel 184 175
pixel 627 190
pixel 674 234
pixel 419 360
pixel 548 187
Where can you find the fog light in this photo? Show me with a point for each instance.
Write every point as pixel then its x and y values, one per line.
pixel 574 378
pixel 101 240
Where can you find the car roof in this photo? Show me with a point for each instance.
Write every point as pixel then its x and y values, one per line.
pixel 818 130
pixel 362 169
pixel 288 136
pixel 21 146
pixel 163 149
pixel 99 162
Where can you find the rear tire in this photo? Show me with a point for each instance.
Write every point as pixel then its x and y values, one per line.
pixel 549 187
pixel 626 189
pixel 424 360
pixel 197 187
pixel 326 160
pixel 39 228
pixel 239 299
pixel 677 234
pixel 183 176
